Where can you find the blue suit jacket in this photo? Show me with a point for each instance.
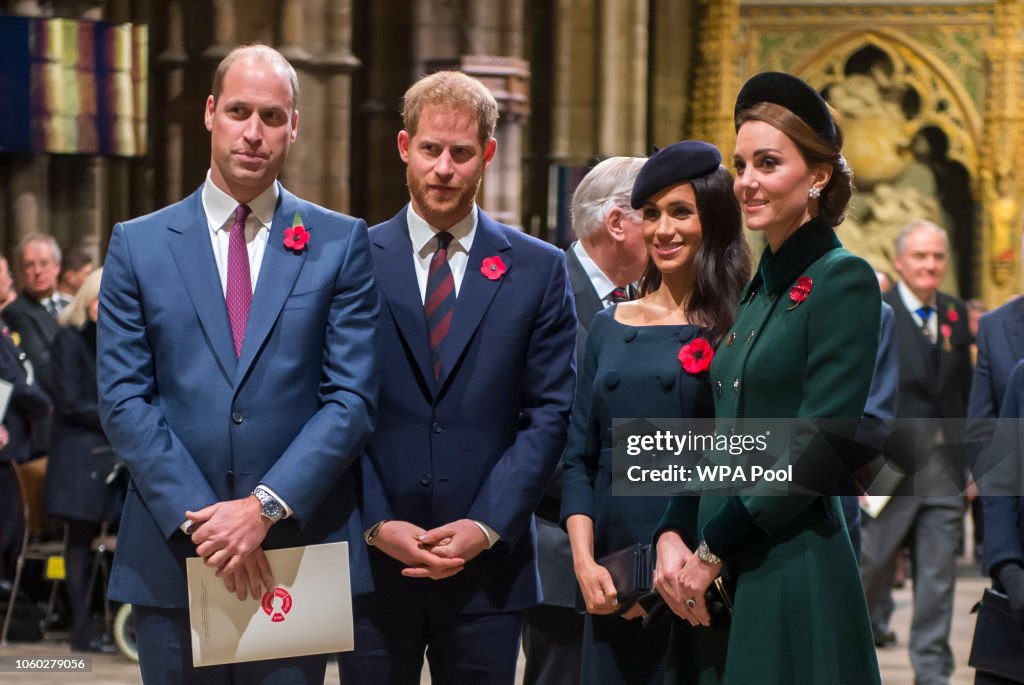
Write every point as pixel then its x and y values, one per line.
pixel 483 440
pixel 1000 347
pixel 196 425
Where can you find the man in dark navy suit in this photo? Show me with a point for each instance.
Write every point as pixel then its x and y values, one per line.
pixel 608 258
pixel 1001 496
pixel 478 330
pixel 237 375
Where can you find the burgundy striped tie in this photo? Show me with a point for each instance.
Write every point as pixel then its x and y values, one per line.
pixel 439 304
pixel 239 293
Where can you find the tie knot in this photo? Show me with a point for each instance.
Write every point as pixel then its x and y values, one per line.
pixel 444 239
pixel 618 295
pixel 241 214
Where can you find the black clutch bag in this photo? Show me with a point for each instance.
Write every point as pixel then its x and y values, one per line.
pixel 998 646
pixel 632 572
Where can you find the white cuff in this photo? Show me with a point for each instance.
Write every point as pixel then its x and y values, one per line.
pixel 492 537
pixel 287 510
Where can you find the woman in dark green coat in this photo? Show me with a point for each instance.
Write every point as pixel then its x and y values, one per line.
pixel 802 347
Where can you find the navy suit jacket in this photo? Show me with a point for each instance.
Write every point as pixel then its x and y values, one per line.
pixel 1000 347
pixel 196 425
pixel 1001 487
pixel 482 441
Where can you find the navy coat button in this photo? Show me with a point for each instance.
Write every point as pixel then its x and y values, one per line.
pixel 237 417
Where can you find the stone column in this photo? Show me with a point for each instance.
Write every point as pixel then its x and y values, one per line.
pixel 622 82
pixel 715 87
pixel 1002 184
pixel 337 64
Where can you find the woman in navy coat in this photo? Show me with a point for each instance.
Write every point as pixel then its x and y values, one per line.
pixel 80 456
pixel 648 358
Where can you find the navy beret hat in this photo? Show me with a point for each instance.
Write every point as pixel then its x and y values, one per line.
pixel 675 163
pixel 792 93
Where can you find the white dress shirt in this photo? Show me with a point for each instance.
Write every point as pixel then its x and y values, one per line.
pixel 424 245
pixel 220 217
pixel 603 285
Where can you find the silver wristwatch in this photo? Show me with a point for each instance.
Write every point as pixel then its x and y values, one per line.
pixel 705 554
pixel 271 508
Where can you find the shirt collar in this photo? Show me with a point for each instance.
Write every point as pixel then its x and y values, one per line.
pixel 602 284
pixel 421 234
pixel 778 270
pixel 220 207
pixel 911 301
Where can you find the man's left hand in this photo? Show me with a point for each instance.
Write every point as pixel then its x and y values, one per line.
pixel 226 532
pixel 462 539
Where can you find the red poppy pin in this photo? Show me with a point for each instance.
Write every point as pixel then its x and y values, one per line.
pixel 493 268
pixel 696 356
pixel 951 315
pixel 296 237
pixel 799 292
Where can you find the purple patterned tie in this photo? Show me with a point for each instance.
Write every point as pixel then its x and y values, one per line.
pixel 239 293
pixel 439 303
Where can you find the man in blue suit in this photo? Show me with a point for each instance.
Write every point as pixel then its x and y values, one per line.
pixel 1000 347
pixel 237 375
pixel 479 331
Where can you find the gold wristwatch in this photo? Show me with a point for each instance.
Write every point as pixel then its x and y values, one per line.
pixel 371 535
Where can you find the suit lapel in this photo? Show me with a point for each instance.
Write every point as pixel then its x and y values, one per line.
pixel 401 290
pixel 193 253
pixel 476 292
pixel 278 272
pixel 912 342
pixel 588 300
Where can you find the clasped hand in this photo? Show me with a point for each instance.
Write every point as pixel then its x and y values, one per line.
pixel 436 554
pixel 680 576
pixel 228 536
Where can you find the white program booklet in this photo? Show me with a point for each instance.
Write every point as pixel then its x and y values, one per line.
pixel 6 390
pixel 309 612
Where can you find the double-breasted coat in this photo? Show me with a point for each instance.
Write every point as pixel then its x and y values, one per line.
pixel 799 610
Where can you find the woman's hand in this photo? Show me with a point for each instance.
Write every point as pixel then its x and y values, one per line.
pixel 672 557
pixel 597 587
pixel 694 581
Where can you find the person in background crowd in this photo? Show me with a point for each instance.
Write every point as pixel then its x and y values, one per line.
pixel 649 358
pixel 803 346
pixel 603 265
pixel 75 267
pixel 935 376
pixel 479 334
pixel 28 403
pixel 33 316
pixel 80 457
pixel 237 375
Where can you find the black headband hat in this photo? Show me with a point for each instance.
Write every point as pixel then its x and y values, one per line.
pixel 792 93
pixel 675 163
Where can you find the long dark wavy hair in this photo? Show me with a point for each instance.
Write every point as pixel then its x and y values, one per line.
pixel 722 261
